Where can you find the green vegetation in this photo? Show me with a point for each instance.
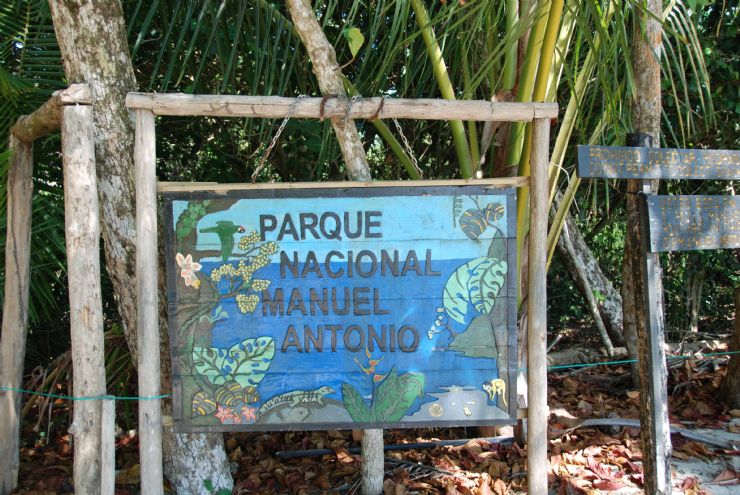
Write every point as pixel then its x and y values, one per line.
pixel 397 48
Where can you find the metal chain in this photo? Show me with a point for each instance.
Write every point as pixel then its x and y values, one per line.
pixel 349 108
pixel 263 160
pixel 406 145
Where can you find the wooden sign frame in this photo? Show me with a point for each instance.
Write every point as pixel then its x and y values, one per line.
pixel 410 337
pixel 640 162
pixel 690 223
pixel 146 106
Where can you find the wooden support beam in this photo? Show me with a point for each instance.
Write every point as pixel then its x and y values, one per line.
pixel 48 117
pixel 651 367
pixel 82 234
pixel 373 461
pixel 15 306
pixel 537 311
pixel 362 108
pixel 28 128
pixel 147 258
pixel 498 183
pixel 108 448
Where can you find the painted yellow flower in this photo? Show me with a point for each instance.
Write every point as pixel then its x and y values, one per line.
pixel 188 267
pixel 247 303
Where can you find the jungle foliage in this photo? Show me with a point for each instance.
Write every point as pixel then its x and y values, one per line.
pixel 228 47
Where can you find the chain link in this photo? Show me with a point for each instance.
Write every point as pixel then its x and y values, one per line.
pixel 406 145
pixel 349 108
pixel 263 160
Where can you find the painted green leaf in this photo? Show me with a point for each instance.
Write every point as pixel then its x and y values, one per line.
pixel 206 362
pixel 355 405
pixel 244 363
pixel 497 249
pixel 477 282
pixel 395 394
pixel 356 39
pixel 477 340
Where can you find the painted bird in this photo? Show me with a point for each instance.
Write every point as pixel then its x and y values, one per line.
pixel 225 230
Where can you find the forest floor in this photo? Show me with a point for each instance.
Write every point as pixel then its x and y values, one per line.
pixel 583 459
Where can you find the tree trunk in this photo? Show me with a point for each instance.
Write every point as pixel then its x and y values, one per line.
pixel 605 302
pixel 642 267
pixel 730 389
pixel 326 69
pixel 646 108
pixel 92 39
pixel 694 284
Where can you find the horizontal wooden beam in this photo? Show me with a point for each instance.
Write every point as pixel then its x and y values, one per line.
pixel 48 117
pixel 358 108
pixel 500 183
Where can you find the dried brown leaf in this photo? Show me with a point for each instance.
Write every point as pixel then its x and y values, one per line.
pixel 608 485
pixel 728 474
pixel 499 487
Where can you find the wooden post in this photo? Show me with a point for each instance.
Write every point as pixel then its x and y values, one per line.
pixel 373 462
pixel 82 234
pixel 537 311
pixel 108 449
pixel 15 307
pixel 652 371
pixel 150 414
pixel 27 128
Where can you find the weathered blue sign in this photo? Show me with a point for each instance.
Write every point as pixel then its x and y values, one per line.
pixel 342 307
pixel 619 162
pixel 683 223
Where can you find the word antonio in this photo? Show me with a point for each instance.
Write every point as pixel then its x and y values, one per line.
pixel 355 338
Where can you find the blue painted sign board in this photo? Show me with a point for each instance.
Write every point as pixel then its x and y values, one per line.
pixel 683 223
pixel 342 307
pixel 620 162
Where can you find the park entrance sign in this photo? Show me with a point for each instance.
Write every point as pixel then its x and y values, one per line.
pixel 341 306
pixel 378 377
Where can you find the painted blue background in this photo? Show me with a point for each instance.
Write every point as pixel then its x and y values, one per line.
pixel 418 223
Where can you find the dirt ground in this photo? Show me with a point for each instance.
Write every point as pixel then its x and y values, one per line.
pixel 585 459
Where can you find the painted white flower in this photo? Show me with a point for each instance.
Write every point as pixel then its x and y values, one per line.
pixel 188 267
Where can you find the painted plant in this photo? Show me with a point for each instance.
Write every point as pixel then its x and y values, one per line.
pixel 227 378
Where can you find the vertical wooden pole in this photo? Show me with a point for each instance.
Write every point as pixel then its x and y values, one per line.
pixel 82 235
pixel 150 414
pixel 537 311
pixel 652 372
pixel 108 449
pixel 373 462
pixel 15 307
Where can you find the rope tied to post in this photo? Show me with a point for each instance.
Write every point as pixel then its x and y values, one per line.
pixel 84 398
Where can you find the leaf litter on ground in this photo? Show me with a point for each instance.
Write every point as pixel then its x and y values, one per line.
pixel 585 460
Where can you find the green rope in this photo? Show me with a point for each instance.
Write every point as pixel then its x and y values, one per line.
pixel 94 397
pixel 629 361
pixel 164 396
